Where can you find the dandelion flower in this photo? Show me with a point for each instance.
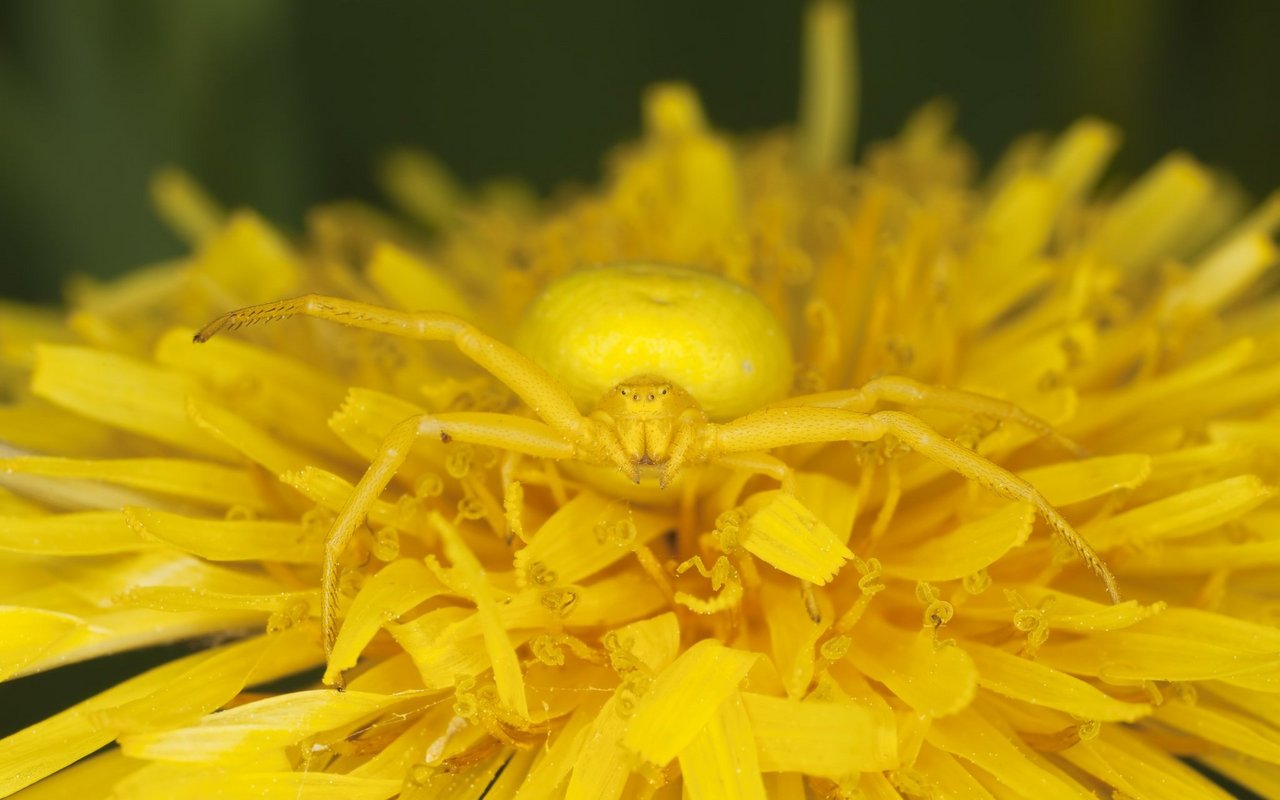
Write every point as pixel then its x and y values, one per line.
pixel 513 628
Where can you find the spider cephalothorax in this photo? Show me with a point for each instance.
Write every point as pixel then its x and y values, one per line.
pixel 654 421
pixel 653 369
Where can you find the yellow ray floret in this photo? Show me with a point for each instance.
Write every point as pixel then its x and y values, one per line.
pixel 82 533
pixel 39 750
pixel 501 650
pixel 29 633
pixel 253 731
pixel 933 677
pixel 964 550
pixel 198 481
pixel 1024 679
pixel 683 698
pixel 227 540
pixel 394 590
pixel 123 393
pixel 782 532
pixel 583 537
pixel 819 738
pixel 720 761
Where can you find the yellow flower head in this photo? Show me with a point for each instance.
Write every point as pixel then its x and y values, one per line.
pixel 748 473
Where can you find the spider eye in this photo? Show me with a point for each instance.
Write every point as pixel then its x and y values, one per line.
pixel 664 391
pixel 624 392
pixel 650 397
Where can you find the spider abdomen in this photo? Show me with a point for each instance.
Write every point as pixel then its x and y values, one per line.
pixel 596 328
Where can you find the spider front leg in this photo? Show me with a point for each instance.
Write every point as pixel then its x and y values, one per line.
pixel 778 427
pixel 495 430
pixel 914 394
pixel 530 382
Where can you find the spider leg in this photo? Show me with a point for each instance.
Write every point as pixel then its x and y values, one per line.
pixel 777 427
pixel 761 464
pixel 496 430
pixel 686 433
pixel 527 380
pixel 914 394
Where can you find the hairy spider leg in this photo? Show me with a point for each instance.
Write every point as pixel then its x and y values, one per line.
pixel 914 394
pixel 495 430
pixel 778 427
pixel 527 380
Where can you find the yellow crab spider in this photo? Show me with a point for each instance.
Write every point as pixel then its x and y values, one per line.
pixel 678 367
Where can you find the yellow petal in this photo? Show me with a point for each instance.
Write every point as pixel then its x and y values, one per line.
pixel 29 633
pixel 331 492
pixel 1123 760
pixel 415 285
pixel 603 765
pixel 1075 481
pixel 650 642
pixel 1079 155
pixel 558 760
pixel 509 776
pixel 88 778
pixel 38 427
pixel 391 591
pixel 793 635
pixel 1170 389
pixel 501 650
pixel 466 784
pixel 185 206
pixel 1027 680
pixel 830 499
pixel 1218 629
pixel 248 260
pixel 78 534
pixel 683 698
pixel 949 777
pixel 1235 731
pixel 47 746
pixel 973 737
pixel 1258 776
pixel 271 389
pixel 1147 221
pixel 229 785
pixel 819 738
pixel 250 440
pixel 609 601
pixel 720 761
pixel 1198 559
pixel 186 598
pixel 420 186
pixel 365 417
pixel 247 732
pixel 211 683
pixel 200 481
pixel 1128 656
pixel 784 786
pixel 441 662
pixel 1221 275
pixel 228 540
pixel 965 550
pixel 1182 515
pixel 934 678
pixel 124 393
pixel 785 534
pixel 583 537
pixel 1070 612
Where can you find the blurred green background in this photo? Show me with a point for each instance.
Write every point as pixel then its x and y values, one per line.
pixel 280 104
